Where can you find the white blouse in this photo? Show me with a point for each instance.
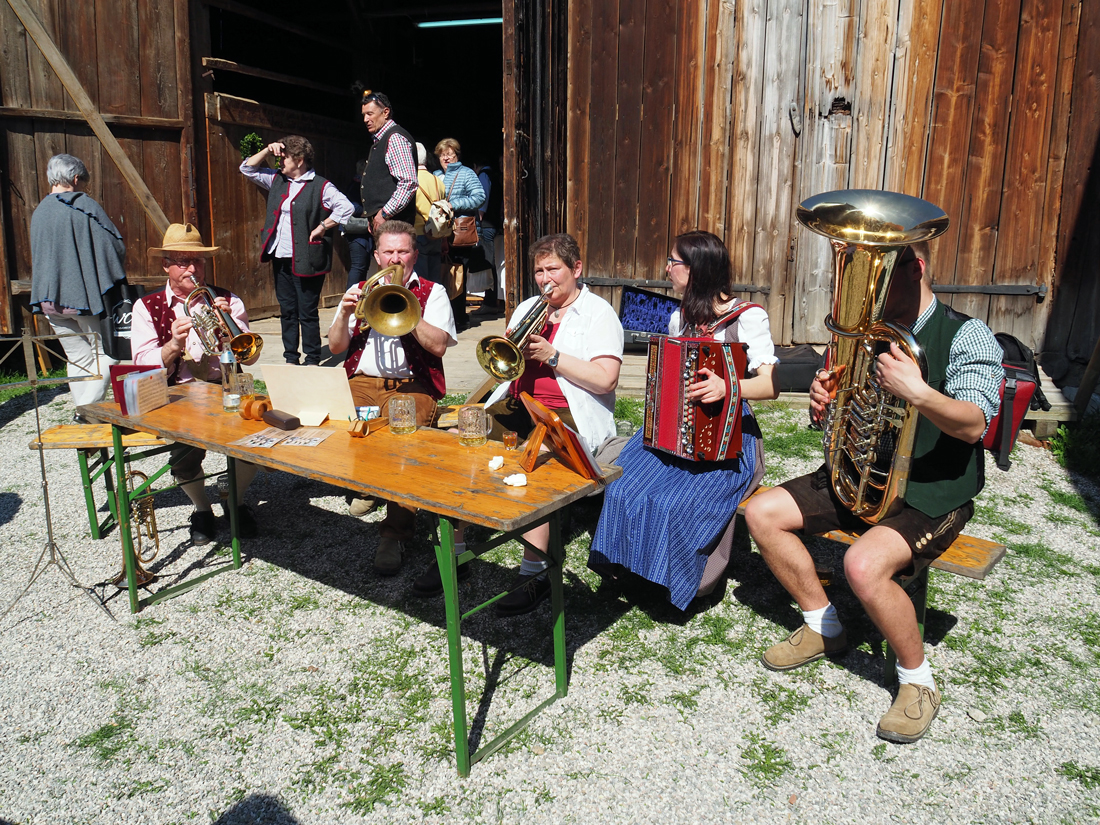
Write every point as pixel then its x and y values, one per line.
pixel 750 327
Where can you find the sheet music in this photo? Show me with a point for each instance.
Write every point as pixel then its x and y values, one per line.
pixel 265 438
pixel 306 437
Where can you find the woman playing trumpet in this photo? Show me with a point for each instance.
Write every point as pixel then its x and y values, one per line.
pixel 663 511
pixel 571 367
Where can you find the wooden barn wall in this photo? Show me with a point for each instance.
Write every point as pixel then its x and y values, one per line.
pixel 132 60
pixel 237 206
pixel 724 116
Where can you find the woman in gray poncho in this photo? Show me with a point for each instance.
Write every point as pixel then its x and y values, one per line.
pixel 77 255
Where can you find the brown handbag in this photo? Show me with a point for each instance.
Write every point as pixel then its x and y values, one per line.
pixel 465 231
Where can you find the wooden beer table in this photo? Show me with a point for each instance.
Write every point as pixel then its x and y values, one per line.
pixel 428 470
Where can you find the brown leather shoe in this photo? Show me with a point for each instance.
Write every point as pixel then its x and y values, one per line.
pixel 802 647
pixel 912 712
pixel 360 506
pixel 387 558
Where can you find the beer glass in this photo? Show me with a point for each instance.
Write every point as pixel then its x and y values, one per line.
pixel 402 412
pixel 473 426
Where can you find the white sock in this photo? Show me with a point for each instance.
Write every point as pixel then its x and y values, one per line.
pixel 196 491
pixel 917 676
pixel 531 567
pixel 824 621
pixel 460 548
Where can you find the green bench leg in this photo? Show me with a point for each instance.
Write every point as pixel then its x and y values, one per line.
pixel 89 497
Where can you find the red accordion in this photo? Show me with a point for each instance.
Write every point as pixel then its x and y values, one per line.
pixel 676 424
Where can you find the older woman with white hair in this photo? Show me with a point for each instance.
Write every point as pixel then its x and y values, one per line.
pixel 77 254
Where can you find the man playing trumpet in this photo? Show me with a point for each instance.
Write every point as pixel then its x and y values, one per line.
pixel 162 335
pixel 380 367
pixel 956 404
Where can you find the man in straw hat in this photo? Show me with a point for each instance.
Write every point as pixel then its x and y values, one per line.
pixel 162 336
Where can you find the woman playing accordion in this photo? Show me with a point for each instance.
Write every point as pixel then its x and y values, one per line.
pixel 661 516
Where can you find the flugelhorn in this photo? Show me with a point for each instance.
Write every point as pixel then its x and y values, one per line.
pixel 143 532
pixel 389 309
pixel 869 432
pixel 215 327
pixel 502 356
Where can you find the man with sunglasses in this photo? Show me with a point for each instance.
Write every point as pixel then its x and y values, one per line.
pixel 162 335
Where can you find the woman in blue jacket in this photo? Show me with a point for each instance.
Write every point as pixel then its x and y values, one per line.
pixel 466 195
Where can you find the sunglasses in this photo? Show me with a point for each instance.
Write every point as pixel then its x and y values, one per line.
pixel 184 263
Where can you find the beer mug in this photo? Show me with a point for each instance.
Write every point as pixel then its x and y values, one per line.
pixel 473 426
pixel 402 413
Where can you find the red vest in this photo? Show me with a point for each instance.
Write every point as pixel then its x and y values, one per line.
pixel 162 316
pixel 427 368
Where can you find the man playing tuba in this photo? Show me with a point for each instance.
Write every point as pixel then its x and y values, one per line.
pixel 162 335
pixel 955 404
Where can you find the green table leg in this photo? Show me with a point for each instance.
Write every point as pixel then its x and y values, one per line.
pixel 89 499
pixel 122 508
pixel 557 603
pixel 448 571
pixel 234 540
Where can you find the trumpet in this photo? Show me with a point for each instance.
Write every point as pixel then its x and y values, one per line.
pixel 143 530
pixel 389 309
pixel 502 356
pixel 214 327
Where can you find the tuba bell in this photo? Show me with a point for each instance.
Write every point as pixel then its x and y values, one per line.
pixel 215 328
pixel 868 432
pixel 502 356
pixel 389 309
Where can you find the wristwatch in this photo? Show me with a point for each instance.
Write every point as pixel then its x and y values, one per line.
pixel 552 361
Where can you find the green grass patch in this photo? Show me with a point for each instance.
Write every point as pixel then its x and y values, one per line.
pixel 1076 446
pixel 1039 560
pixel 108 741
pixel 1085 774
pixel 781 703
pixel 764 762
pixel 384 781
pixel 7 378
pixel 630 409
pixel 1073 501
pixel 991 515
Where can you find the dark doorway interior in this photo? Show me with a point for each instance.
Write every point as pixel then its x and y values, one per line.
pixel 443 82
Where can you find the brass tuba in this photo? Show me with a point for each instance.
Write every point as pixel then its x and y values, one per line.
pixel 215 327
pixel 502 357
pixel 143 531
pixel 868 432
pixel 389 309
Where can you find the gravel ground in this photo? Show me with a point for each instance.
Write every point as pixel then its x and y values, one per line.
pixel 303 688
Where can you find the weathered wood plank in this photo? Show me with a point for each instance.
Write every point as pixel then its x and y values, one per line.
pixel 825 152
pixel 757 85
pixel 159 83
pixel 773 177
pixel 911 109
pixel 628 135
pixel 872 86
pixel 89 437
pixel 117 32
pixel 22 192
pixel 46 89
pixel 1056 166
pixel 981 214
pixel 77 41
pixel 1025 186
pixel 599 251
pixel 953 108
pixel 717 92
pixel 656 141
pixel 580 106
pixel 691 43
pixel 15 81
pixel 171 124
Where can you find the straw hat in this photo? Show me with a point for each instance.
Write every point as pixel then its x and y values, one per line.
pixel 185 238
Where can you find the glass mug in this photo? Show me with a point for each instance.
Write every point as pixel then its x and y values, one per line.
pixel 402 413
pixel 473 426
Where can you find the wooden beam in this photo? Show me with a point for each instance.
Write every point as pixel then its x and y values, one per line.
pixel 251 71
pixel 72 85
pixel 289 24
pixel 173 124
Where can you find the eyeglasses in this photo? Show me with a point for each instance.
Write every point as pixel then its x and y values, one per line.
pixel 672 261
pixel 185 263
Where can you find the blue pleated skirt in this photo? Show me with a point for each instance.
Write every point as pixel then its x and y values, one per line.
pixel 663 511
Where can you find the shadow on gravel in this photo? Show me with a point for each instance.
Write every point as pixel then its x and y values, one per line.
pixel 257 808
pixel 15 407
pixel 9 506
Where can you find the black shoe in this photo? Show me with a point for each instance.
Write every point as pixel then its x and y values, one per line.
pixel 430 583
pixel 530 593
pixel 204 527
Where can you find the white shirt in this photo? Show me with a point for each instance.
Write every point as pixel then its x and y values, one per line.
pixel 589 329
pixel 751 327
pixel 384 355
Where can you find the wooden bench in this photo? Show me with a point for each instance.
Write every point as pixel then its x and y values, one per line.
pixel 967 556
pixel 94 444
